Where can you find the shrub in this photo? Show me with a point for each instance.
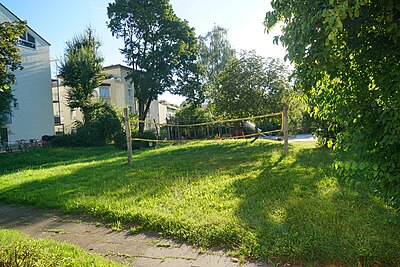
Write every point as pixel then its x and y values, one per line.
pixel 148 134
pixel 65 140
pixel 89 135
pixel 120 140
pixel 106 119
pixel 101 127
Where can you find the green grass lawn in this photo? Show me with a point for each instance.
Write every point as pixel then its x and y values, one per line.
pixel 247 197
pixel 17 249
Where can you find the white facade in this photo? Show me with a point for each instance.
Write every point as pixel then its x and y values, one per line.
pixel 159 112
pixel 33 111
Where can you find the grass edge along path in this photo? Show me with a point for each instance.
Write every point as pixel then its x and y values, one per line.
pixel 249 198
pixel 17 249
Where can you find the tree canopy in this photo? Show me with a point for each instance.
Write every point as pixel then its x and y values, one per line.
pixel 346 55
pixel 82 70
pixel 189 113
pixel 161 48
pixel 249 85
pixel 10 61
pixel 215 52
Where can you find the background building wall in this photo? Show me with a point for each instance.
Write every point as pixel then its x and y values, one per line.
pixel 33 112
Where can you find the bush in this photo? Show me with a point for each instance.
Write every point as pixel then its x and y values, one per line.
pixel 85 136
pixel 101 127
pixel 106 119
pixel 65 140
pixel 148 134
pixel 120 140
pixel 88 135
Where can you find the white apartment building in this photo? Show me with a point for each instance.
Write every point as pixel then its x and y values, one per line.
pixel 159 111
pixel 32 113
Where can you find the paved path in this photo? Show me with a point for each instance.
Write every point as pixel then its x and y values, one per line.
pixel 139 250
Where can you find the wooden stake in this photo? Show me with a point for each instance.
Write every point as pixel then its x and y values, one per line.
pixel 128 136
pixel 285 131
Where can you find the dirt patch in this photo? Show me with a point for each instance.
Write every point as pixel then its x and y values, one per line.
pixel 143 249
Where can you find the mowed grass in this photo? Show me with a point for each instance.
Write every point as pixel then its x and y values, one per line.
pixel 17 249
pixel 249 198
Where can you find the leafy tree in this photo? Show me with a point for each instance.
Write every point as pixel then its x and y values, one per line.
pixel 250 85
pixel 103 125
pixel 215 53
pixel 81 70
pixel 10 61
pixel 161 48
pixel 346 55
pixel 190 113
pixel 105 119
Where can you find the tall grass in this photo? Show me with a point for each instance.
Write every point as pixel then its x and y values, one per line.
pixel 17 249
pixel 249 198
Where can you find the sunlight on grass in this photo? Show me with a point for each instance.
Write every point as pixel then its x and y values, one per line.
pixel 17 249
pixel 249 198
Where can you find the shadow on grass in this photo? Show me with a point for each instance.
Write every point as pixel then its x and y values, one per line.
pixel 297 212
pixel 78 180
pixel 250 197
pixel 43 158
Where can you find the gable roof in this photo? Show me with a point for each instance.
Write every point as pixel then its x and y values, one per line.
pixel 15 16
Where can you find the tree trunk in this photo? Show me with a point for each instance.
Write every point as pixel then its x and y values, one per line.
pixel 144 106
pixel 85 114
pixel 142 116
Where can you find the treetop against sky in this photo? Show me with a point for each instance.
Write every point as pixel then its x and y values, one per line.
pixel 58 21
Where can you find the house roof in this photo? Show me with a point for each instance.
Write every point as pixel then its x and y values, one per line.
pixel 16 17
pixel 118 66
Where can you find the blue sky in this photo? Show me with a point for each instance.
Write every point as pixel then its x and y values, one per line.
pixel 59 20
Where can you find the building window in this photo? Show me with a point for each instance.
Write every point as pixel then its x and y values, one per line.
pixel 27 40
pixel 73 114
pixel 104 92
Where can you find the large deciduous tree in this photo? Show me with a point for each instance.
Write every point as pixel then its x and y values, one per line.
pixel 249 85
pixel 190 113
pixel 347 62
pixel 82 70
pixel 161 48
pixel 10 61
pixel 215 53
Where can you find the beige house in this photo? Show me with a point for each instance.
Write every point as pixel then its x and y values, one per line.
pixel 32 114
pixel 115 90
pixel 159 111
